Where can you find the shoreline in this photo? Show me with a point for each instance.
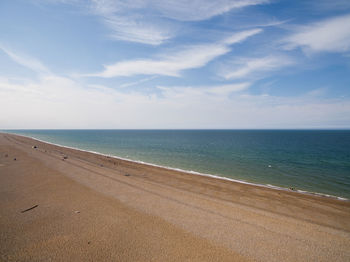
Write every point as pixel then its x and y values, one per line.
pixel 190 172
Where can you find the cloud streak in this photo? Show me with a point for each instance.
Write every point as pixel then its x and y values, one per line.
pixel 330 35
pixel 149 22
pixel 141 81
pixel 198 10
pixel 254 67
pixel 128 21
pixel 136 30
pixel 26 61
pixel 217 90
pixel 172 65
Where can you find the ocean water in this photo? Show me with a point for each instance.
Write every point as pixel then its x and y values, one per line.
pixel 310 160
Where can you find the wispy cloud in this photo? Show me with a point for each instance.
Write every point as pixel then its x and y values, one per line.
pixel 197 10
pixel 229 88
pixel 136 30
pixel 148 22
pixel 153 22
pixel 182 10
pixel 270 23
pixel 128 21
pixel 331 35
pixel 171 65
pixel 217 90
pixel 143 80
pixel 254 67
pixel 241 36
pixel 26 61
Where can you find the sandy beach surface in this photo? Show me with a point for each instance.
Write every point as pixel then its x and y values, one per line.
pixel 60 204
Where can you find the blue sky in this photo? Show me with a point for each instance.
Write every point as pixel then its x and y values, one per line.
pixel 174 64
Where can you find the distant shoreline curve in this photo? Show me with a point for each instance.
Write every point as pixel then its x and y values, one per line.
pixel 190 172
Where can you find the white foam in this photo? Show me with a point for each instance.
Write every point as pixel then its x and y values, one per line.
pixel 194 172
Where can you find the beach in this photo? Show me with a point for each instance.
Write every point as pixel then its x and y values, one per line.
pixel 63 204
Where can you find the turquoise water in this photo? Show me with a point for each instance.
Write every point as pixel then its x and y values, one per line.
pixel 311 160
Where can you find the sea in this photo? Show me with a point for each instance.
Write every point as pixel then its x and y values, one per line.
pixel 309 161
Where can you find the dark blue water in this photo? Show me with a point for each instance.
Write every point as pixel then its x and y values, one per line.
pixel 311 160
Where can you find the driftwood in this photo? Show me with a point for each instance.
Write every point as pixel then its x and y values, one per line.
pixel 29 208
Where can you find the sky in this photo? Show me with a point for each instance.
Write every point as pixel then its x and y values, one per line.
pixel 161 64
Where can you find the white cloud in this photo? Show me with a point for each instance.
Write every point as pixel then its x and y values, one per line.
pixel 197 10
pixel 254 67
pixel 193 57
pixel 129 23
pixel 227 89
pixel 217 90
pixel 172 65
pixel 241 36
pixel 182 10
pixel 136 30
pixel 138 82
pixel 28 62
pixel 271 22
pixel 143 21
pixel 331 35
pixel 57 102
pixel 153 22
